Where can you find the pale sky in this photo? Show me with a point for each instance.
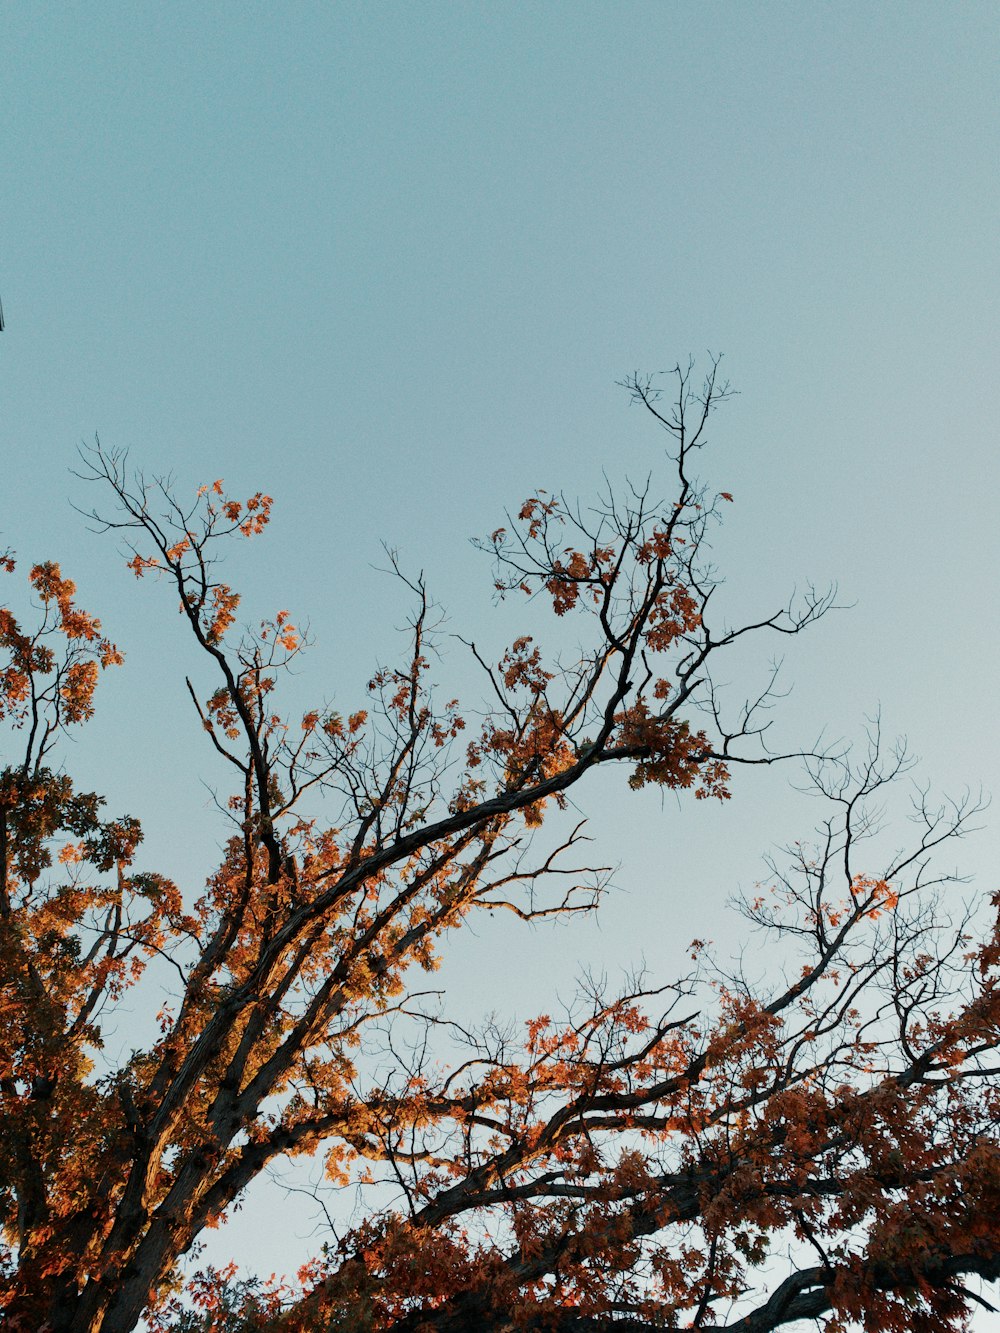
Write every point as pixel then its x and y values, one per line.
pixel 387 262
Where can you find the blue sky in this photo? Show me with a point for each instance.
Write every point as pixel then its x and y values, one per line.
pixel 387 263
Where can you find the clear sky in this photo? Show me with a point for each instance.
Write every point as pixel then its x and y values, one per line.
pixel 386 261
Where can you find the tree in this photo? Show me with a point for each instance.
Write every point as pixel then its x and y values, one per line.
pixel 712 1152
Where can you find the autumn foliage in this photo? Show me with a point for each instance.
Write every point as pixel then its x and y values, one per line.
pixel 709 1151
